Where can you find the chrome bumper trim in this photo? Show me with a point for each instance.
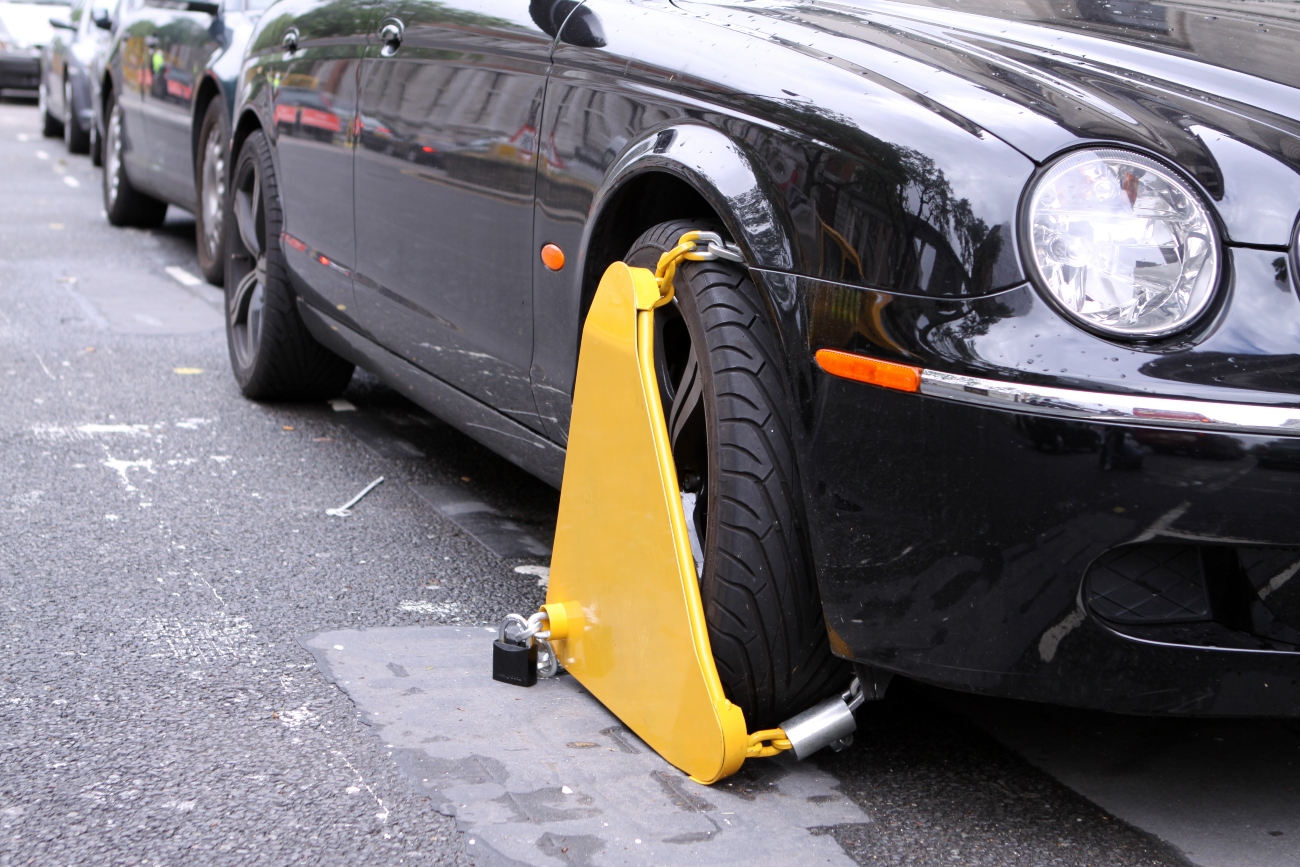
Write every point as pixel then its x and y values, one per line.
pixel 1128 409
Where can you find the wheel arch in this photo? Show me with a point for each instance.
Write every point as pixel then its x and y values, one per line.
pixel 209 89
pixel 683 171
pixel 249 122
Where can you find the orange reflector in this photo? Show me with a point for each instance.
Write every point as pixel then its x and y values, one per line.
pixel 858 367
pixel 552 257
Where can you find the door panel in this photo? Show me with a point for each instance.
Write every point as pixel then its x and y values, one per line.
pixel 445 174
pixel 134 77
pixel 179 46
pixel 313 113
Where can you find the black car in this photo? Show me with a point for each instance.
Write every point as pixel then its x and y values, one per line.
pixel 1017 305
pixel 164 108
pixel 68 65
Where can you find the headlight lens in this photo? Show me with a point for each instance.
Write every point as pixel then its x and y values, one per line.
pixel 1121 243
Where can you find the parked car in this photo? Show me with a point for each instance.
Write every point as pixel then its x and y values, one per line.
pixel 67 61
pixel 955 216
pixel 164 113
pixel 24 31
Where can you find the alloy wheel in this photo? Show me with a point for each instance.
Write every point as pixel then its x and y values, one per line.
pixel 214 190
pixel 247 299
pixel 113 153
pixel 68 118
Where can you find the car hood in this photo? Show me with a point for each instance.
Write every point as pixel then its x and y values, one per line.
pixel 29 23
pixel 1210 85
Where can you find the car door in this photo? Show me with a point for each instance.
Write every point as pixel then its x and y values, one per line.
pixel 131 61
pixel 445 172
pixel 313 127
pixel 182 37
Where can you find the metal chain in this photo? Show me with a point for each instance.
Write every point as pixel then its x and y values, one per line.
pixel 767 742
pixel 689 248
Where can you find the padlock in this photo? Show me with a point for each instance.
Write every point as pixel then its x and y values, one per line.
pixel 514 661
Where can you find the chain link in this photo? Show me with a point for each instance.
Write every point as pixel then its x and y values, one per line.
pixel 689 248
pixel 767 742
pixel 548 664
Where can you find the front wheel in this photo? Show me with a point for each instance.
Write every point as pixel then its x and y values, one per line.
pixel 273 355
pixel 731 425
pixel 210 178
pixel 50 125
pixel 76 139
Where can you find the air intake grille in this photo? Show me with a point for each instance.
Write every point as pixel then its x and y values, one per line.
pixel 1149 584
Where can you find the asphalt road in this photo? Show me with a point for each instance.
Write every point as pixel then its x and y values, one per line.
pixel 164 547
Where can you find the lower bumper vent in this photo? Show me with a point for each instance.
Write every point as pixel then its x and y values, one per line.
pixel 1149 584
pixel 1200 595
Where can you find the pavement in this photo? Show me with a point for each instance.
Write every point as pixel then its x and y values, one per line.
pixel 184 633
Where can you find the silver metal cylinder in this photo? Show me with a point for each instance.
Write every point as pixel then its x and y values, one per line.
pixel 819 726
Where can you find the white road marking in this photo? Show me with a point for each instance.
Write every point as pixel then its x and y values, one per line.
pixel 1279 579
pixel 383 814
pixel 295 718
pixel 183 277
pixel 71 181
pixel 1052 638
pixel 438 609
pixel 42 155
pixel 120 467
pixel 543 573
pixel 220 637
pixel 341 405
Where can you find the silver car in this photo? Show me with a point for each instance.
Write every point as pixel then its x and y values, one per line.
pixel 68 62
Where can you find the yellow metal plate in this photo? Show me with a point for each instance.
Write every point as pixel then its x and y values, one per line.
pixel 622 565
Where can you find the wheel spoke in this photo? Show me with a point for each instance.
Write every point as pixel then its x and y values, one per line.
pixel 247 205
pixel 242 296
pixel 690 392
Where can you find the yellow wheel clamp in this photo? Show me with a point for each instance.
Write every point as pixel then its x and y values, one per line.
pixel 623 611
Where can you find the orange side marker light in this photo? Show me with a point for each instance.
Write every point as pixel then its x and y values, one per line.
pixel 552 257
pixel 885 374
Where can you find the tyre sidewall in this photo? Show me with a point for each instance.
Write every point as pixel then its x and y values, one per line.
pixel 211 262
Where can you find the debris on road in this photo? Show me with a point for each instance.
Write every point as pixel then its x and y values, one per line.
pixel 346 509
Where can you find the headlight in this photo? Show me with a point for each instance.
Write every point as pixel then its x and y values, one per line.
pixel 1121 243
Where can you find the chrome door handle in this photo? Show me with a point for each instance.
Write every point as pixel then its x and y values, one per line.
pixel 391 37
pixel 290 41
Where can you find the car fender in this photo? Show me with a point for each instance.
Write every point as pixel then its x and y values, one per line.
pixel 720 171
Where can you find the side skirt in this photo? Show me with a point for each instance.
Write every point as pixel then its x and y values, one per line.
pixel 472 417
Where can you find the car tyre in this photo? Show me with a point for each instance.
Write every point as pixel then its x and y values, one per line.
pixel 124 204
pixel 210 192
pixel 731 424
pixel 273 355
pixel 76 139
pixel 51 127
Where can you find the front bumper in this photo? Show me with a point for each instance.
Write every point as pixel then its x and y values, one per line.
pixel 958 531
